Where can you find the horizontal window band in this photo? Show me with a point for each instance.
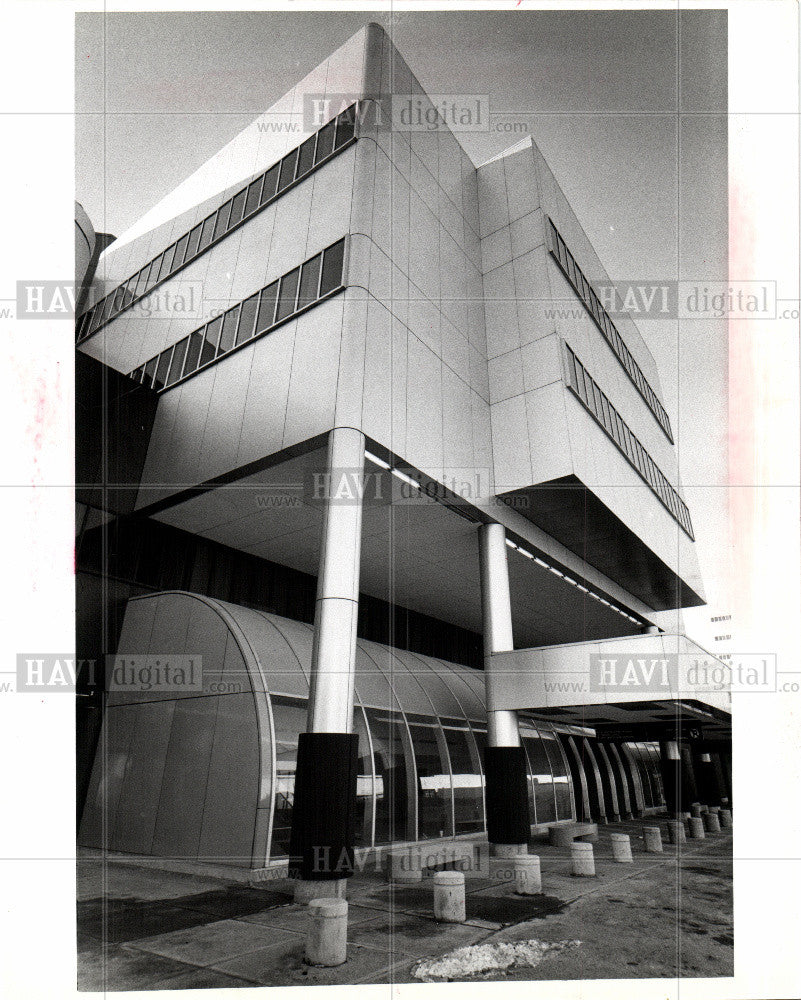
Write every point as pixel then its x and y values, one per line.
pixel 245 343
pixel 316 280
pixel 608 330
pixel 234 210
pixel 585 388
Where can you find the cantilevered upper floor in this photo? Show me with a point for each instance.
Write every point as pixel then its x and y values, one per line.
pixel 342 272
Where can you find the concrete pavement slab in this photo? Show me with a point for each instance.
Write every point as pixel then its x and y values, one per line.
pixel 216 941
pixel 121 968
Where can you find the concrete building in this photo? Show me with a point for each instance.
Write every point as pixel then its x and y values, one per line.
pixel 375 452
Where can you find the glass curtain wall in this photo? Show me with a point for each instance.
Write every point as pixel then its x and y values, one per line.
pixel 541 799
pixel 394 772
pixel 467 777
pixel 562 783
pixel 420 774
pixel 645 757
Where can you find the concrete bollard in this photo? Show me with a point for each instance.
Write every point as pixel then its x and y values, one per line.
pixel 715 809
pixel 582 858
pixel 327 936
pixel 404 866
pixel 449 902
pixel 695 810
pixel 711 822
pixel 528 877
pixel 725 819
pixel 677 833
pixel 704 809
pixel 696 828
pixel 621 847
pixel 653 839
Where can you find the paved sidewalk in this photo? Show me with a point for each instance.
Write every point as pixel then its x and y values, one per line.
pixel 140 927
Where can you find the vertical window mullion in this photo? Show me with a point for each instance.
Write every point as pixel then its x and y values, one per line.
pixel 297 290
pixel 318 290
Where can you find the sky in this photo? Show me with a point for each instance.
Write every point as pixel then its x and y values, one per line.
pixel 628 108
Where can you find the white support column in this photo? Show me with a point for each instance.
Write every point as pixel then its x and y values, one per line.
pixel 496 606
pixel 337 610
pixel 323 815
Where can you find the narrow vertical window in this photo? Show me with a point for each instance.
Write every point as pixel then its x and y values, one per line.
pixel 266 317
pixel 177 363
pixel 223 213
pixel 287 295
pixel 94 319
pixel 333 260
pixel 598 407
pixel 254 193
pixel 155 267
pixel 306 156
pixel 141 281
pixel 247 319
pixel 346 126
pixel 108 302
pixel 571 370
pixel 237 209
pixel 194 241
pixel 325 141
pixel 162 368
pixel 605 414
pixel 584 384
pixel 207 232
pixel 628 442
pixel 166 263
pixel 620 434
pixel 193 352
pixel 150 371
pixel 118 300
pixel 228 333
pixel 211 336
pixel 309 281
pixel 287 174
pixel 180 251
pixel 270 183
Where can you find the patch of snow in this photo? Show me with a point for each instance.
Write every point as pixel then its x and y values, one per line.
pixel 477 959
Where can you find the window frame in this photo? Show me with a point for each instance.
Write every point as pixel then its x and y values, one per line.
pixel 234 312
pixel 221 222
pixel 288 166
pixel 171 381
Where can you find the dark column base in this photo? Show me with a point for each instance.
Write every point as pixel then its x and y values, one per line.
pixel 323 834
pixel 720 782
pixel 725 760
pixel 507 795
pixel 706 779
pixel 689 787
pixel 671 782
